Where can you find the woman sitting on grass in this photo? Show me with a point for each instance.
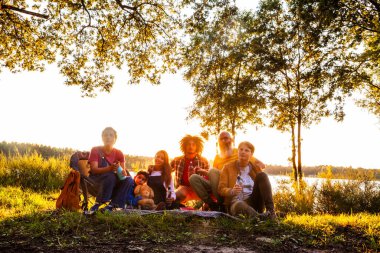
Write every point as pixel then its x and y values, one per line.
pixel 161 181
pixel 104 162
pixel 245 188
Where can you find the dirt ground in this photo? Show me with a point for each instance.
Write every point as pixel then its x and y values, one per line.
pixel 254 244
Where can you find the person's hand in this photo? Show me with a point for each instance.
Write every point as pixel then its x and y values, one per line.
pixel 169 201
pixel 115 165
pixel 125 173
pixel 260 164
pixel 200 171
pixel 236 190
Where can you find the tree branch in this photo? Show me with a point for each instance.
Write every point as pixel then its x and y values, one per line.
pixel 376 4
pixel 9 7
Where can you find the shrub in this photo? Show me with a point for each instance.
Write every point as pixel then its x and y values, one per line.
pixel 289 198
pixel 33 171
pixel 349 196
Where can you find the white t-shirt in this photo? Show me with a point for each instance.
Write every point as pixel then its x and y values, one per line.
pixel 247 183
pixel 159 173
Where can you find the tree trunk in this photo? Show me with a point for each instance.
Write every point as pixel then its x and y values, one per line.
pixel 299 140
pixel 295 171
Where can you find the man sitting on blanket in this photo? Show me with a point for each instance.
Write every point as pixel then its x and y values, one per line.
pixel 190 163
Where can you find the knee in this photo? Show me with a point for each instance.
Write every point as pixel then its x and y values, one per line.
pixel 180 195
pixel 214 173
pixel 193 179
pixel 261 176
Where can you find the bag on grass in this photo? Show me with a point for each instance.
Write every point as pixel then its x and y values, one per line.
pixel 69 197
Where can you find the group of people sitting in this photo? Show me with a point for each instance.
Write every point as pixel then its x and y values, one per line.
pixel 235 184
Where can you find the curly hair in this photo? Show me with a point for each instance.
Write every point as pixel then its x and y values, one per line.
pixel 196 139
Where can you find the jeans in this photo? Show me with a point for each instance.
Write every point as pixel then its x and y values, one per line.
pixel 204 187
pixel 109 187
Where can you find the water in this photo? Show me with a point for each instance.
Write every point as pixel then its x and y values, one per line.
pixel 275 181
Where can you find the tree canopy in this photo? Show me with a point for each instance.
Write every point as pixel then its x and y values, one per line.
pixel 88 38
pixel 216 64
pixel 361 19
pixel 283 61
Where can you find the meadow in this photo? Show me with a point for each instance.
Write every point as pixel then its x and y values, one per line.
pixel 340 217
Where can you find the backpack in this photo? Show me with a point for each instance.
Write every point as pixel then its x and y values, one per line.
pixel 79 162
pixel 69 197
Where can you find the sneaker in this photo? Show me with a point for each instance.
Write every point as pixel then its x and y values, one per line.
pixel 268 215
pixel 241 208
pixel 213 206
pixel 160 206
pixel 94 208
pixel 108 208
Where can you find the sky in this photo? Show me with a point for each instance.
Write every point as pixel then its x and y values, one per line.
pixel 36 107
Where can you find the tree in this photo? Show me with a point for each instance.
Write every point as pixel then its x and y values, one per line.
pixel 88 38
pixel 215 63
pixel 361 19
pixel 306 68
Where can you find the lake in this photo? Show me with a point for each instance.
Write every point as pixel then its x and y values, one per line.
pixel 275 180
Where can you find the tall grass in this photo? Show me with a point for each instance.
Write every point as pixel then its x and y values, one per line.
pixel 289 198
pixel 350 196
pixel 15 202
pixel 34 172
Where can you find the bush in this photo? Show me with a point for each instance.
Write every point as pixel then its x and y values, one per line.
pixel 351 196
pixel 289 198
pixel 333 197
pixel 33 171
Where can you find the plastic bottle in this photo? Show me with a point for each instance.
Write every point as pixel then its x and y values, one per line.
pixel 169 194
pixel 191 166
pixel 239 181
pixel 120 173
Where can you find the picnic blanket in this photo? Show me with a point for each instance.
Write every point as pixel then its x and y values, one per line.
pixel 204 214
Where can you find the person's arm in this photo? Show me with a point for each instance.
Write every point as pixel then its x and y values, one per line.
pixel 171 185
pixel 205 167
pixel 223 188
pixel 259 165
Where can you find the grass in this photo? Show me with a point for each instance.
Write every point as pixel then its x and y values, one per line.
pixel 27 214
pixel 32 171
pixel 29 187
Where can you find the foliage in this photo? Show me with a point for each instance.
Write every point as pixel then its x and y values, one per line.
pixel 361 19
pixel 217 66
pixel 88 39
pixel 350 196
pixel 330 196
pixel 136 163
pixel 33 172
pixel 330 172
pixel 307 69
pixel 289 198
pixel 15 148
pixel 327 171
